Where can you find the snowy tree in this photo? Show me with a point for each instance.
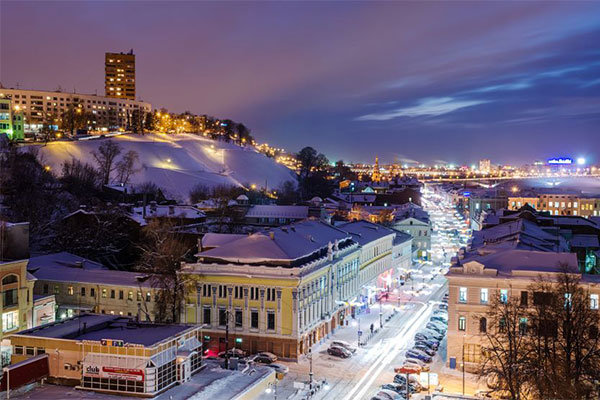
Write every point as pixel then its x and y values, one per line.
pixel 105 158
pixel 126 166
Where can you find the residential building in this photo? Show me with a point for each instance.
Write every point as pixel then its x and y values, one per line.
pixel 558 202
pixel 112 354
pixel 485 166
pixel 285 289
pixel 109 113
pixel 413 220
pixel 11 119
pixel 81 285
pixel 119 75
pixel 479 277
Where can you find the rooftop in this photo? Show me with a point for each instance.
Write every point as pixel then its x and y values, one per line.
pixel 275 211
pixel 166 211
pixel 101 326
pixel 364 232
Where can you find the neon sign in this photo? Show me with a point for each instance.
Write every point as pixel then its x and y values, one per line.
pixel 560 161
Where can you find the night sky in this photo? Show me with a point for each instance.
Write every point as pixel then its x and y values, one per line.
pixel 428 82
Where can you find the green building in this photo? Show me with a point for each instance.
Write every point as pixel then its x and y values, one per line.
pixel 11 120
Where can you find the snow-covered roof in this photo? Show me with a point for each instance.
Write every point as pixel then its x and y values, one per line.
pixel 508 261
pixel 275 211
pixel 242 197
pixel 289 243
pixel 66 267
pixel 365 232
pixel 166 211
pixel 219 239
pixel 520 233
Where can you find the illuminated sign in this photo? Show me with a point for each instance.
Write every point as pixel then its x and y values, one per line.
pixel 560 161
pixel 466 194
pixel 128 374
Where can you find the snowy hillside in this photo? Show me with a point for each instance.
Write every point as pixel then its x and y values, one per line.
pixel 177 163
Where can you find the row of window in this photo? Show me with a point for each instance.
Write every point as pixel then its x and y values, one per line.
pixel 538 297
pixel 105 292
pixel 237 318
pixel 238 292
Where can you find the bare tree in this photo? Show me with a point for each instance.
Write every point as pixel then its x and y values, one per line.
pixel 126 166
pixel 504 358
pixel 105 158
pixel 162 254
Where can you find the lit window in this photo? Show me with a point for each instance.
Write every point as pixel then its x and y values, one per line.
pixel 594 301
pixel 10 321
pixel 562 204
pixel 70 290
pixel 574 212
pixel 462 295
pixel 462 323
pixel 484 296
pixel 567 300
pixel 575 204
pixel 503 295
pixel 550 204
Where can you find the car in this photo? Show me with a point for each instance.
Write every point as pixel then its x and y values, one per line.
pixel 344 344
pixel 432 344
pixel 410 361
pixel 337 351
pixel 435 334
pixel 436 328
pixel 233 353
pixel 442 306
pixel 390 393
pixel 396 387
pixel 264 357
pixel 427 335
pixel 440 318
pixel 414 366
pixel 418 355
pixel 412 381
pixel 279 368
pixel 425 350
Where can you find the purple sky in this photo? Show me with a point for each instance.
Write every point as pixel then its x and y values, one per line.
pixel 429 82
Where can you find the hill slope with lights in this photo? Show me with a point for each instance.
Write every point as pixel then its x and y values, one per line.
pixel 177 163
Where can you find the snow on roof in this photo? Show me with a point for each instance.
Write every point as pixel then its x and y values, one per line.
pixel 103 326
pixel 518 233
pixel 219 239
pixel 365 232
pixel 66 267
pixel 177 163
pixel 166 211
pixel 242 197
pixel 287 243
pixel 507 261
pixel 275 211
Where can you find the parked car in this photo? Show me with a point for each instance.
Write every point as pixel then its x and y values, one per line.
pixel 418 355
pixel 279 368
pixel 410 365
pixel 344 344
pixel 390 393
pixel 441 318
pixel 425 350
pixel 442 306
pixel 233 353
pixel 413 382
pixel 264 357
pixel 337 351
pixel 435 327
pixel 433 334
pixel 396 387
pixel 410 361
pixel 432 344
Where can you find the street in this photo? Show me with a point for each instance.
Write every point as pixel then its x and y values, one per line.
pixel 408 310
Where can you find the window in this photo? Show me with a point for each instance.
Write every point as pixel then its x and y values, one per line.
pixel 482 325
pixel 130 295
pixel 253 293
pixel 502 325
pixel 523 326
pixel 503 295
pixel 12 278
pixel 93 292
pixel 82 291
pixel 483 297
pixel 56 289
pixel 222 317
pixel 594 301
pixel 270 294
pixel 207 313
pixel 550 204
pixel 206 290
pixel 575 204
pixel 10 321
pixel 30 351
pixel 41 350
pixel 524 298
pixel 222 291
pixel 271 321
pixel 462 295
pixel 121 295
pixel 239 317
pixel 112 293
pixel 148 297
pixel 462 323
pixel 19 350
pixel 46 288
pixel 10 297
pixel 254 320
pixel 139 296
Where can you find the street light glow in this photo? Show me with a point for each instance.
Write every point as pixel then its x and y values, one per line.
pixel 580 161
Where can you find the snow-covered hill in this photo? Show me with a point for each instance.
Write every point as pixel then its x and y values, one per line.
pixel 177 163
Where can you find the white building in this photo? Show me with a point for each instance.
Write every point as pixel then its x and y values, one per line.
pixel 413 220
pixel 36 105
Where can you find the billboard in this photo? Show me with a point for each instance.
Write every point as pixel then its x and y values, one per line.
pixel 126 374
pixel 560 161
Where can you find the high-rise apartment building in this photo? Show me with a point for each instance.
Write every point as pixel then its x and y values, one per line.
pixel 485 166
pixel 119 75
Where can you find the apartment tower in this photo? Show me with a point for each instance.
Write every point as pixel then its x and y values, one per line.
pixel 119 75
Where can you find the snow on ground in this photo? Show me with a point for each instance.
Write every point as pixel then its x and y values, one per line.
pixel 177 163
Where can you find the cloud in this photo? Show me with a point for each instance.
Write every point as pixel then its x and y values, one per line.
pixel 427 107
pixel 504 87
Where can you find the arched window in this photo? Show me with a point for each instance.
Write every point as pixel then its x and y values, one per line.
pixel 8 279
pixel 483 325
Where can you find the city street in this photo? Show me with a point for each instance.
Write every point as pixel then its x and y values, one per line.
pixel 360 376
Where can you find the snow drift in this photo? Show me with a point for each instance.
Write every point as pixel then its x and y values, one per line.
pixel 177 163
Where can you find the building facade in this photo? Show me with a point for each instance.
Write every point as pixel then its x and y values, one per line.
pixel 112 354
pixel 559 203
pixel 37 106
pixel 11 120
pixel 119 75
pixel 286 289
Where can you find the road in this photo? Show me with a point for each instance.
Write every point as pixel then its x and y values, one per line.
pixel 360 376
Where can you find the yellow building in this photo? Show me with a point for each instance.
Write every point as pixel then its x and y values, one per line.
pixel 559 203
pixel 119 75
pixel 282 290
